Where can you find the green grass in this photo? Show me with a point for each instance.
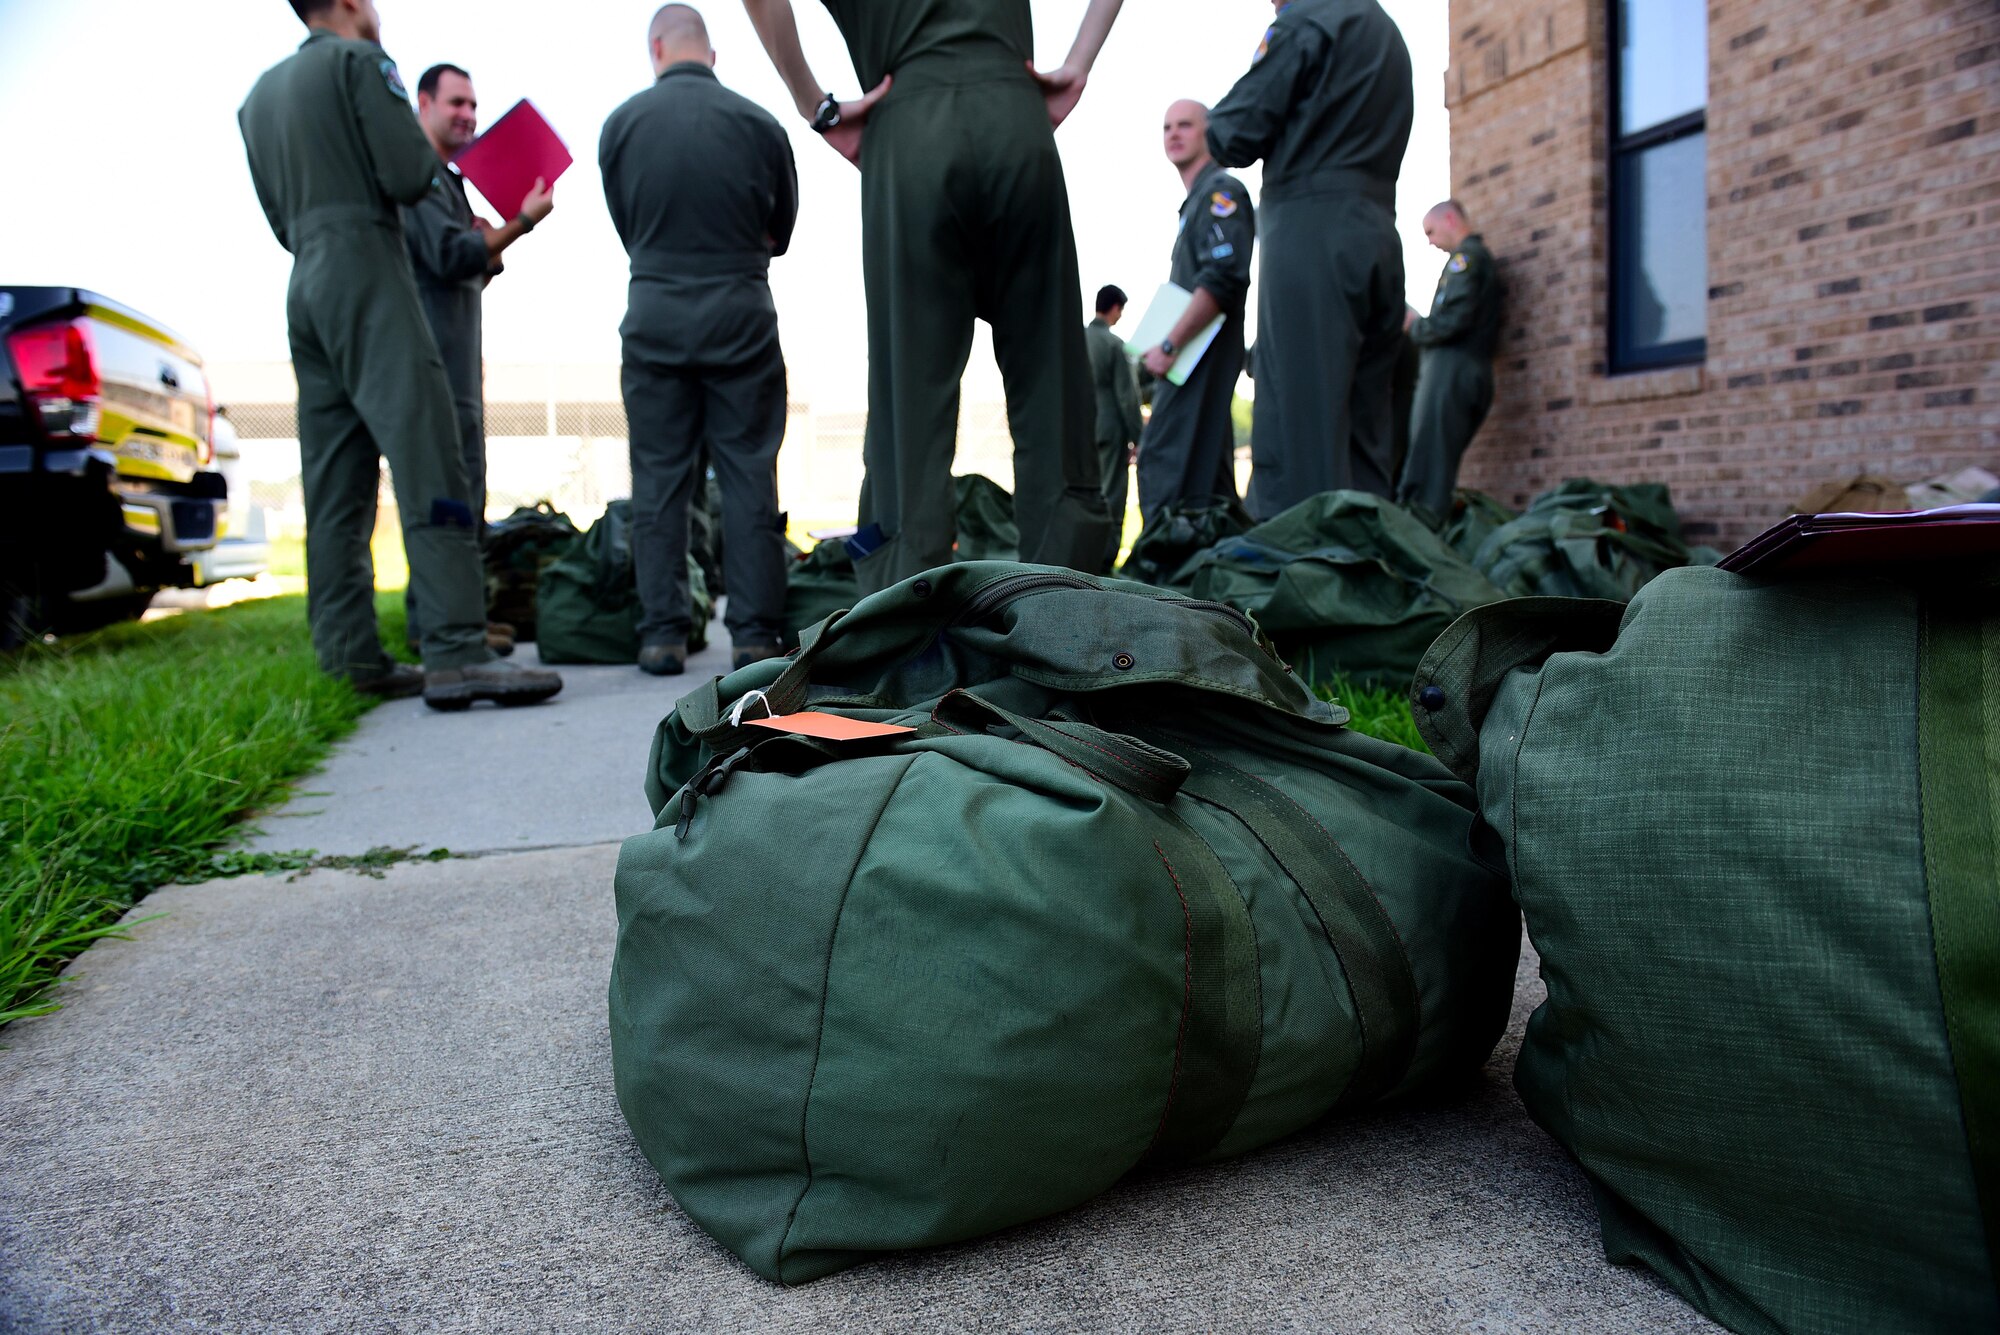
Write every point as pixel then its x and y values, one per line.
pixel 128 756
pixel 1379 713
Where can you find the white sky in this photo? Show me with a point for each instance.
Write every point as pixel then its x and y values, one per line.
pixel 130 179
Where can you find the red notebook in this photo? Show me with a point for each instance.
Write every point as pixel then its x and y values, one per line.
pixel 506 161
pixel 1847 541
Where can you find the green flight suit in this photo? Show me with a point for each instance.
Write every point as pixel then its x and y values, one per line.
pixel 1327 105
pixel 453 266
pixel 1454 379
pixel 449 257
pixel 1189 451
pixel 702 188
pixel 964 216
pixel 1116 387
pixel 334 147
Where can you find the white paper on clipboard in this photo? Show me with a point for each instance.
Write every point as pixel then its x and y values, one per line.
pixel 1169 304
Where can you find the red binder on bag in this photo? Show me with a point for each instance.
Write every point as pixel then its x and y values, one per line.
pixel 1869 541
pixel 514 152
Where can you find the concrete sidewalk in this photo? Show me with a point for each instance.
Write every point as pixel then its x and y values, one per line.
pixel 352 1104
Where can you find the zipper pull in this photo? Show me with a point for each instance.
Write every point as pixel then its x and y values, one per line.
pixel 706 783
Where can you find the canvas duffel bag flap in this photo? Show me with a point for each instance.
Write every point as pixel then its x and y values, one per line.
pixel 1752 827
pixel 1128 893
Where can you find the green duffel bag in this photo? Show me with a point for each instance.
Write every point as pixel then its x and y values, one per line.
pixel 588 604
pixel 1346 584
pixel 1584 539
pixel 1126 894
pixel 1165 549
pixel 1474 517
pixel 986 527
pixel 515 551
pixel 1753 828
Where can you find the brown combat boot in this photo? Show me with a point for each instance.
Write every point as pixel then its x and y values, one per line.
pixel 502 683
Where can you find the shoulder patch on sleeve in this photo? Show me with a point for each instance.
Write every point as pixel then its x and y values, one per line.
pixel 394 81
pixel 1222 204
pixel 1457 262
pixel 1263 47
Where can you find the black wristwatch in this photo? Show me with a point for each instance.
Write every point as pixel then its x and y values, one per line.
pixel 527 223
pixel 1167 346
pixel 827 116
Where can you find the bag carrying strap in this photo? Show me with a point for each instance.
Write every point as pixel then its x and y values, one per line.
pixel 1387 1005
pixel 1124 762
pixel 1221 1033
pixel 1958 742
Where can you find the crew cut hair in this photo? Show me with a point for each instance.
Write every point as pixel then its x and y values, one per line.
pixel 305 9
pixel 428 84
pixel 1109 296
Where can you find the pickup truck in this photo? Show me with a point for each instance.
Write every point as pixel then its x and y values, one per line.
pixel 107 483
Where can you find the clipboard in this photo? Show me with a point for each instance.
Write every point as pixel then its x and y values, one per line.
pixel 1169 304
pixel 505 161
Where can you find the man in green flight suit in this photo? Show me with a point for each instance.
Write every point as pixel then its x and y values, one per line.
pixel 1119 424
pixel 702 188
pixel 1189 452
pixel 1455 377
pixel 964 215
pixel 1327 104
pixel 334 148
pixel 455 254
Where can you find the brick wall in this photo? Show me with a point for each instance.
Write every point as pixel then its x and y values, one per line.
pixel 1854 252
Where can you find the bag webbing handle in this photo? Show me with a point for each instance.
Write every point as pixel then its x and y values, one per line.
pixel 1126 762
pixel 1958 741
pixel 701 711
pixel 1387 1005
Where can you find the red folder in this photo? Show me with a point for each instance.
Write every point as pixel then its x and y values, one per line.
pixel 506 161
pixel 1870 541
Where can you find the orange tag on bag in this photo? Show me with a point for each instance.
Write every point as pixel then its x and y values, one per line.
pixel 827 727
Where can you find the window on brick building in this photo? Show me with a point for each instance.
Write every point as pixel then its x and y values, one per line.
pixel 1659 183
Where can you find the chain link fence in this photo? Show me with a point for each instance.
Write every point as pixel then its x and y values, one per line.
pixel 574 455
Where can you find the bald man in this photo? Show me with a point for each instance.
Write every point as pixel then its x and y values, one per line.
pixel 702 188
pixel 1455 376
pixel 1189 449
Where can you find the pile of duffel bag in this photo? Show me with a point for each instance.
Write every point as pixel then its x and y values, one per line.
pixel 1754 827
pixel 1585 539
pixel 1011 881
pixel 1167 546
pixel 588 601
pixel 1346 584
pixel 515 551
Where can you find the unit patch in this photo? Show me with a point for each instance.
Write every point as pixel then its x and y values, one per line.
pixel 1222 252
pixel 394 80
pixel 1456 263
pixel 1222 204
pixel 1263 47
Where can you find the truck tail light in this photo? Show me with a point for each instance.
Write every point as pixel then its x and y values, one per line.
pixel 208 436
pixel 58 368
